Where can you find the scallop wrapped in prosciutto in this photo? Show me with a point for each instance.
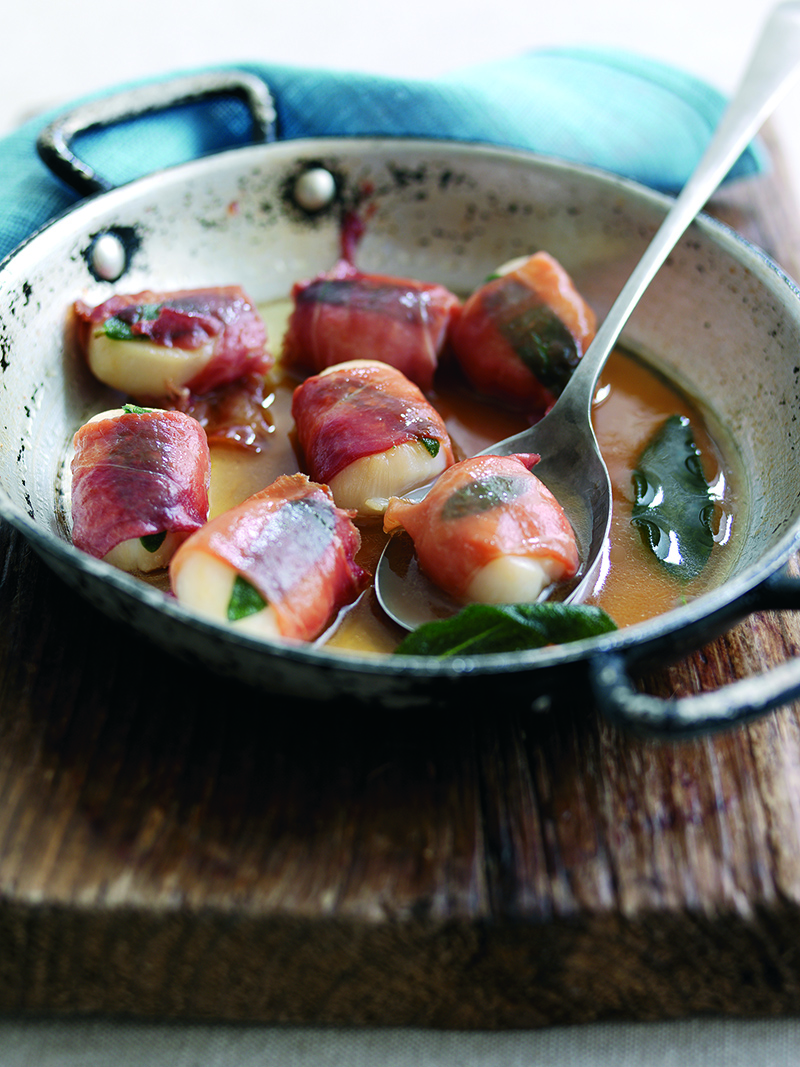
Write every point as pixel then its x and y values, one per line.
pixel 521 334
pixel 140 481
pixel 280 564
pixel 156 345
pixel 346 314
pixel 369 433
pixel 489 531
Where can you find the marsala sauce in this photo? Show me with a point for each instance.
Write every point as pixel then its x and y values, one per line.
pixel 633 401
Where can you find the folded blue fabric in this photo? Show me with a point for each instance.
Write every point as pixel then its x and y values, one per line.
pixel 617 111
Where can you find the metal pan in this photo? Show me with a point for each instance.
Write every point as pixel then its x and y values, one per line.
pixel 721 317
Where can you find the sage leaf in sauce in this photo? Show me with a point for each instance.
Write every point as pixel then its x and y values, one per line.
pixel 673 506
pixel 245 600
pixel 479 629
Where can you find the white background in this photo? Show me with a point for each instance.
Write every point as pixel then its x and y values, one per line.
pixel 54 51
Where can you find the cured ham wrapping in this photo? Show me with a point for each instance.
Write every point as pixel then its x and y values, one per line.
pixel 153 345
pixel 282 563
pixel 140 484
pixel 345 314
pixel 490 531
pixel 369 433
pixel 520 336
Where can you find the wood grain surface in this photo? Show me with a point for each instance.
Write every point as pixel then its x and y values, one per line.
pixel 172 845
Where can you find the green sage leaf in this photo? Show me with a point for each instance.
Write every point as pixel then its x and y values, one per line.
pixel 152 542
pixel 673 507
pixel 120 327
pixel 245 600
pixel 432 445
pixel 485 628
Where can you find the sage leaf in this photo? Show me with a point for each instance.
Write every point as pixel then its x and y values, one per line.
pixel 673 506
pixel 120 327
pixel 245 600
pixel 534 331
pixel 479 629
pixel 431 445
pixel 152 542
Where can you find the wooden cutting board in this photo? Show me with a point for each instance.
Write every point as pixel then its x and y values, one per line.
pixel 172 845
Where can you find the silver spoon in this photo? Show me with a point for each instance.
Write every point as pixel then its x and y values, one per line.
pixel 571 465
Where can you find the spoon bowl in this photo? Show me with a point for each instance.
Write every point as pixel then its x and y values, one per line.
pixel 571 465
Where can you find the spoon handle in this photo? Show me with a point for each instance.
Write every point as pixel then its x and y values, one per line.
pixel 774 65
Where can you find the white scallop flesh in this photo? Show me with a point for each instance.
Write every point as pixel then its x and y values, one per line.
pixel 366 484
pixel 141 368
pixel 514 579
pixel 132 556
pixel 112 413
pixel 204 584
pixel 510 265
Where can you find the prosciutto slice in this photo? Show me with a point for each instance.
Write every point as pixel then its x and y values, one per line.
pixel 291 544
pixel 138 473
pixel 362 409
pixel 520 336
pixel 345 314
pixel 221 323
pixel 483 510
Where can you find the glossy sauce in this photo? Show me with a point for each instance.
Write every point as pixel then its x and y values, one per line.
pixel 633 401
pixel 632 404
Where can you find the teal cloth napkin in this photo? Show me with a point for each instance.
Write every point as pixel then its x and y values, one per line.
pixel 610 109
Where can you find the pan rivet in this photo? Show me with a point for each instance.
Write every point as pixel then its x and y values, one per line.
pixel 314 189
pixel 108 257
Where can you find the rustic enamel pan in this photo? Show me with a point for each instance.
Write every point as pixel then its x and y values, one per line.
pixel 721 319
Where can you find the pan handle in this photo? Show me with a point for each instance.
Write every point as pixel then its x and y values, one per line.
pixel 55 141
pixel 730 705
